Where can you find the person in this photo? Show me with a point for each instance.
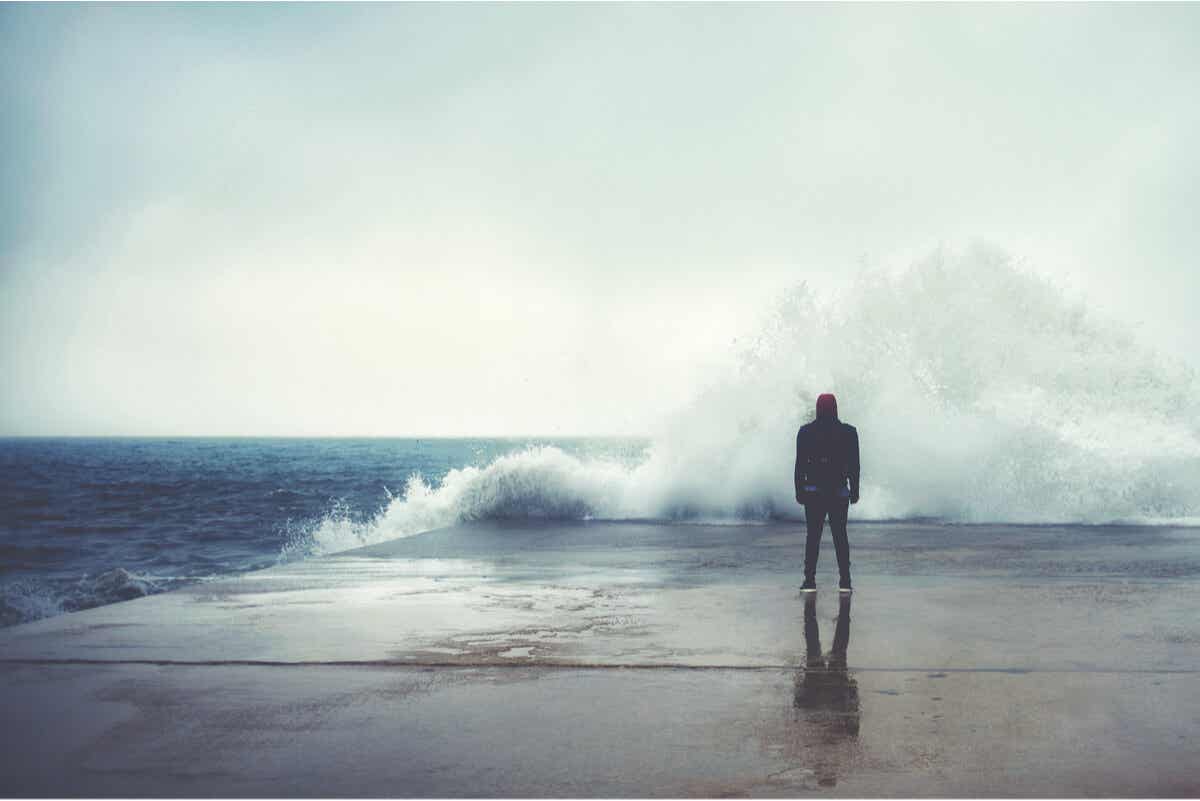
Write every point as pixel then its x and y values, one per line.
pixel 827 470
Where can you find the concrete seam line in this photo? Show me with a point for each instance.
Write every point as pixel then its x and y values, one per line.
pixel 384 663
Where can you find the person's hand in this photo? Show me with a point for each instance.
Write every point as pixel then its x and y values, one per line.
pixel 854 497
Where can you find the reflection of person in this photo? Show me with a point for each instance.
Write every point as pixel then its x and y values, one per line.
pixel 827 469
pixel 824 688
pixel 819 739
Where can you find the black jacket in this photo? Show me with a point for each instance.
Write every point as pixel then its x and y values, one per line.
pixel 827 456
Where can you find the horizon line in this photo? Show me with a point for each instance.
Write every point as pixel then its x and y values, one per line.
pixel 325 436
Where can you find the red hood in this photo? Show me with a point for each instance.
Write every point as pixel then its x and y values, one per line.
pixel 826 406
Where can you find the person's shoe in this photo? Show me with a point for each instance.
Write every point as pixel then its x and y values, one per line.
pixel 809 585
pixel 844 585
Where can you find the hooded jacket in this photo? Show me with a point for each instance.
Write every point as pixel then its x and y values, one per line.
pixel 827 453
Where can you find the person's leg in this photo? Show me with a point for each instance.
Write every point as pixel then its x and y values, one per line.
pixel 838 512
pixel 814 518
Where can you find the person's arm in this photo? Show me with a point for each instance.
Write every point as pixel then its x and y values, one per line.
pixel 853 467
pixel 801 462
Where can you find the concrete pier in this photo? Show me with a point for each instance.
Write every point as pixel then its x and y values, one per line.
pixel 634 659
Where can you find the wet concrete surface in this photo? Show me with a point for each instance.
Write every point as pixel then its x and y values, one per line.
pixel 634 660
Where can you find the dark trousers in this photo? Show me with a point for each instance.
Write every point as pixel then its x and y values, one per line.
pixel 838 510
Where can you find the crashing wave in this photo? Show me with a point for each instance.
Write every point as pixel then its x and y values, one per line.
pixel 24 600
pixel 981 394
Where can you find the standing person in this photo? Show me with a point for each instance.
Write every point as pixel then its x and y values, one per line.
pixel 826 483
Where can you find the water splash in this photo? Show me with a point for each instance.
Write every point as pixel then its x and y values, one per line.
pixel 980 391
pixel 23 600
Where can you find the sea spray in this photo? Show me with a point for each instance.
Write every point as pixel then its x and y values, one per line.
pixel 980 391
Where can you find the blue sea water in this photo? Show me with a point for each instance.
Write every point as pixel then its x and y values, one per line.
pixel 85 522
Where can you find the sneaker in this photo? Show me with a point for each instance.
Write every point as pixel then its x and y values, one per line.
pixel 809 585
pixel 844 585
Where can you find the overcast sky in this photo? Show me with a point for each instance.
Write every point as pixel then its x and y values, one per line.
pixel 507 219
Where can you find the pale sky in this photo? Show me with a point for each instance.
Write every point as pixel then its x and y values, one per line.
pixel 545 219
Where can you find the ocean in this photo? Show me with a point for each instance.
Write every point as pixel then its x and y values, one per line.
pixel 85 522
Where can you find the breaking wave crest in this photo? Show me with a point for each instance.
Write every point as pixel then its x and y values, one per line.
pixel 25 600
pixel 981 394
